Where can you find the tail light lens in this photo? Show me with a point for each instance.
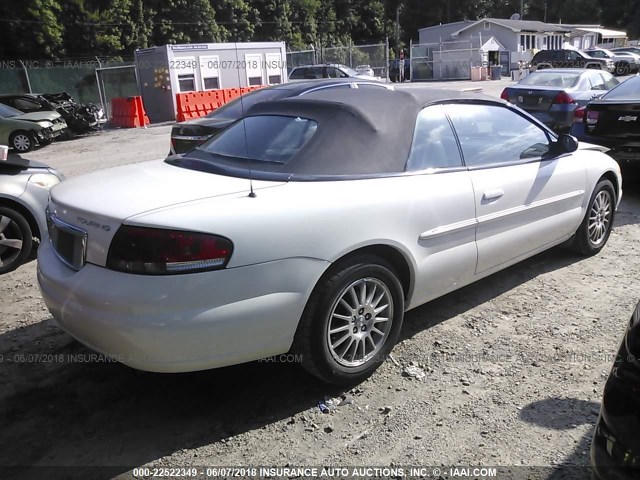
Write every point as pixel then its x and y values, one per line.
pixel 578 115
pixel 592 117
pixel 563 97
pixel 504 95
pixel 152 251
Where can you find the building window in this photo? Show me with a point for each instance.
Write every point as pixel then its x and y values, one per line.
pixel 186 73
pixel 187 82
pixel 254 68
pixel 210 72
pixel 274 66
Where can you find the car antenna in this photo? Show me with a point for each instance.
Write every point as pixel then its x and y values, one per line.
pixel 252 193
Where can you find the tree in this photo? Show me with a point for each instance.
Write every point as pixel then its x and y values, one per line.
pixel 32 31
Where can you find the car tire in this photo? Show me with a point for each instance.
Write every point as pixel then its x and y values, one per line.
pixel 68 134
pixel 622 68
pixel 594 231
pixel 16 240
pixel 22 141
pixel 345 309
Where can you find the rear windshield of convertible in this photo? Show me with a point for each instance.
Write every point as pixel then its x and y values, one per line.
pixel 266 138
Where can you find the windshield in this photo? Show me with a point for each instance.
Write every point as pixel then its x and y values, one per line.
pixel 551 79
pixel 266 138
pixel 8 112
pixel 236 108
pixel 627 90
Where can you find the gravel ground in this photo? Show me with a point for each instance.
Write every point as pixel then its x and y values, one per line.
pixel 506 372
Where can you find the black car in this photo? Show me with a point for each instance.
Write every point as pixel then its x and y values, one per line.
pixel 81 118
pixel 185 136
pixel 615 450
pixel 569 59
pixel 613 121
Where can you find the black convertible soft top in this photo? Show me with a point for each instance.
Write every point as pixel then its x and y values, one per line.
pixel 361 133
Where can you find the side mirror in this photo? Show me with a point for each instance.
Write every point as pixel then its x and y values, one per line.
pixel 4 153
pixel 565 144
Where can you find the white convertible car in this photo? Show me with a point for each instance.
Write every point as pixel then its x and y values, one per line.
pixel 311 226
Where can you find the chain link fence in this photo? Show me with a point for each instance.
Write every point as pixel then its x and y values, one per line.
pixel 375 56
pixel 300 58
pixel 77 77
pixel 445 60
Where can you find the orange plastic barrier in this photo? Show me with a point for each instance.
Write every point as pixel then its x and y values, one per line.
pixel 197 104
pixel 128 112
pixel 231 93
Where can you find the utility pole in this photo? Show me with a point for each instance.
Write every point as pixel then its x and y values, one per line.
pixel 398 29
pixel 545 12
pixel 521 9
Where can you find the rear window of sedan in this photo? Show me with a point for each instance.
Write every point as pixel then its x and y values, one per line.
pixel 551 79
pixel 265 138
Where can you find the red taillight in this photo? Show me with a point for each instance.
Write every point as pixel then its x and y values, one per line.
pixel 578 115
pixel 504 95
pixel 563 97
pixel 592 117
pixel 153 251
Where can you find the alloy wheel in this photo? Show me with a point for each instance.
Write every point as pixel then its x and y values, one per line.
pixel 360 322
pixel 11 241
pixel 600 217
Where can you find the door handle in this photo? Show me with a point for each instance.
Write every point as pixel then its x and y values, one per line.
pixel 493 194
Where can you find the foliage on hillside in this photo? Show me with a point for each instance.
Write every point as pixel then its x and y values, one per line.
pixel 52 29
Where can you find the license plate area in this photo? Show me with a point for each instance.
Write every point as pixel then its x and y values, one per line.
pixel 531 101
pixel 69 242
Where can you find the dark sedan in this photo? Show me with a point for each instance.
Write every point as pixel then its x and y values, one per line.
pixel 552 95
pixel 613 121
pixel 615 450
pixel 185 136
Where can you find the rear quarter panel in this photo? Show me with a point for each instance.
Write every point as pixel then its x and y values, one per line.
pixel 326 220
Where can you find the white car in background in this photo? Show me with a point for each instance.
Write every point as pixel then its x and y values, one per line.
pixel 311 225
pixel 328 70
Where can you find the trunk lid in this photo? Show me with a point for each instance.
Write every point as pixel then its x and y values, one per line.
pixel 614 119
pixel 99 202
pixel 533 98
pixel 122 192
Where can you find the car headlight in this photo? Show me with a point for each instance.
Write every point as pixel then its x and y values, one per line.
pixel 45 124
pixel 44 180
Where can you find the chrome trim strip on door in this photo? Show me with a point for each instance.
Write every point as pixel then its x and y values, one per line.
pixel 473 222
pixel 451 228
pixel 523 208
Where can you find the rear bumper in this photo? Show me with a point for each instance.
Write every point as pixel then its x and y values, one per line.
pixel 180 323
pixel 604 465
